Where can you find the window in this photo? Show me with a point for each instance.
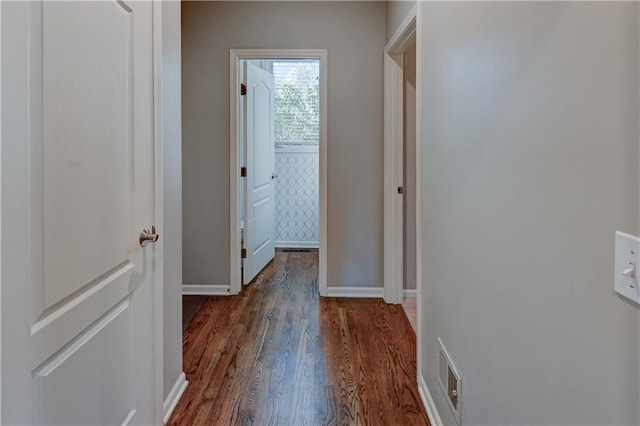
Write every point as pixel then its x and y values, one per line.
pixel 297 106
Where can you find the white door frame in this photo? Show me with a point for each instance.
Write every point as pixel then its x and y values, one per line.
pixel 158 200
pixel 404 36
pixel 235 56
pixel 0 209
pixel 408 31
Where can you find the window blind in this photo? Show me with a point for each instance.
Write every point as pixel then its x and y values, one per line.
pixel 297 107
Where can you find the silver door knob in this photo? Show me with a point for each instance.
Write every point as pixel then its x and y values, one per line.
pixel 147 237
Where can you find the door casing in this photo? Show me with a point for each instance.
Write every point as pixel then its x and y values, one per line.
pixel 234 156
pixel 402 39
pixel 408 31
pixel 393 161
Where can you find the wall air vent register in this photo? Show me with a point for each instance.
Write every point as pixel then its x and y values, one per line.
pixel 450 382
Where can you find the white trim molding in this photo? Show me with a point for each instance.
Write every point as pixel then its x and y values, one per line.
pixel 235 55
pixel 1 105
pixel 355 292
pixel 297 244
pixel 205 290
pixel 297 149
pixel 405 33
pixel 158 206
pixel 410 30
pixel 404 36
pixel 419 181
pixel 429 405
pixel 409 292
pixel 174 396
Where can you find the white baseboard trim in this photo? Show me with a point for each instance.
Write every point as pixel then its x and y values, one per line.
pixel 174 396
pixel 410 292
pixel 205 290
pixel 297 244
pixel 429 405
pixel 354 292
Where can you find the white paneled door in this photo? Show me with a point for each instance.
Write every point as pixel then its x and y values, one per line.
pixel 77 190
pixel 259 235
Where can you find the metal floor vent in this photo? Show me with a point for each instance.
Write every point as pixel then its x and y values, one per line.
pixel 450 382
pixel 296 250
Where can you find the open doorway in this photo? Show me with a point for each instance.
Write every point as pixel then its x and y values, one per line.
pixel 401 257
pixel 279 112
pixel 279 138
pixel 402 168
pixel 278 157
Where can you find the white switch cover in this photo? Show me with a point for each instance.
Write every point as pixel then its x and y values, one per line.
pixel 627 255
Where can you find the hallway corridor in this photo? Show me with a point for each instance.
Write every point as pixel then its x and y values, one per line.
pixel 278 354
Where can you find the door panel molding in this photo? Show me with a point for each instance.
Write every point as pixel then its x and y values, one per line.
pixel 62 379
pixel 78 297
pixel 259 188
pixel 86 123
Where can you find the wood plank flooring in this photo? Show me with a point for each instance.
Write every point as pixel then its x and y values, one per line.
pixel 191 305
pixel 409 306
pixel 277 354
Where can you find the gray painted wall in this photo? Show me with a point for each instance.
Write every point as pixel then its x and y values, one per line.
pixel 171 233
pixel 354 34
pixel 531 163
pixel 396 12
pixel 409 172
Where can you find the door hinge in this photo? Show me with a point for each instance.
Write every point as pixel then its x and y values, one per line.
pixel 243 172
pixel 243 253
pixel 400 190
pixel 243 89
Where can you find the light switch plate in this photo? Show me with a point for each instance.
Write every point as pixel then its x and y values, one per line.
pixel 627 255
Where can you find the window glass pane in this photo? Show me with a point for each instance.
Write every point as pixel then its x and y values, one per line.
pixel 297 105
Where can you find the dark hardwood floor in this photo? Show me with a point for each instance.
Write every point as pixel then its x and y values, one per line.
pixel 277 354
pixel 191 305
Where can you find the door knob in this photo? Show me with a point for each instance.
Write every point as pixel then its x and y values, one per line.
pixel 147 237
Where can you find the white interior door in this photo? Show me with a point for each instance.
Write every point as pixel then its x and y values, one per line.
pixel 77 189
pixel 259 234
